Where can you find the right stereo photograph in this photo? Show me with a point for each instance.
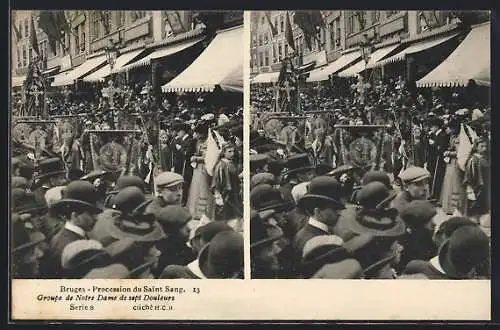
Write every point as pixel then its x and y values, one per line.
pixel 370 144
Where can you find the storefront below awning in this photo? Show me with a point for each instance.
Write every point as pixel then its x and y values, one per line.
pixel 18 81
pixel 471 60
pixel 80 71
pixel 105 71
pixel 265 78
pixel 412 49
pixel 218 65
pixel 159 53
pixel 332 68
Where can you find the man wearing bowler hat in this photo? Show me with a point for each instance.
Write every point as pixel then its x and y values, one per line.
pixel 79 209
pixel 183 149
pixel 322 204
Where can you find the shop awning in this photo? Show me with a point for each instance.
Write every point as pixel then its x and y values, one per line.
pixel 265 78
pixel 81 70
pixel 413 49
pixel 380 54
pixel 61 77
pixel 353 70
pixel 332 68
pixel 18 81
pixel 470 60
pixel 219 64
pixel 105 71
pixel 49 71
pixel 159 53
pixel 307 66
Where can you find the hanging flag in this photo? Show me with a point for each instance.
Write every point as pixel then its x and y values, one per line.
pixel 288 33
pixel 33 38
pixel 274 30
pixel 466 138
pixel 309 22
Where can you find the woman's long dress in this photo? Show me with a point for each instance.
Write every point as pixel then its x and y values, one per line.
pixel 453 191
pixel 200 199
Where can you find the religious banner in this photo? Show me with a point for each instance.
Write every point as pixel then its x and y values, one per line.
pixel 359 146
pixel 111 149
pixel 288 87
pixel 33 135
pixel 65 129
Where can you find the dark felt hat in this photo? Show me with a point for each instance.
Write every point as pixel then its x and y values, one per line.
pixel 131 201
pixel 265 197
pixel 374 194
pixel 173 217
pixel 24 202
pixel 276 166
pixel 24 237
pixel 262 178
pixel 322 189
pixel 208 231
pixel 449 226
pixel 258 161
pixel 223 256
pixel 262 233
pixel 297 164
pixel 467 248
pixel 77 194
pixel 50 167
pixel 379 176
pixel 377 222
pixel 417 213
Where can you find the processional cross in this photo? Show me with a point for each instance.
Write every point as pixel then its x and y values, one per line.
pixel 110 91
pixel 288 89
pixel 34 91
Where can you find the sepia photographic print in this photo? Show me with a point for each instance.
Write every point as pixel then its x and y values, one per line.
pixel 150 149
pixel 127 134
pixel 369 144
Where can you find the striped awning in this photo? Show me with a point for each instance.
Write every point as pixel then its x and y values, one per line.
pixel 218 65
pixel 18 81
pixel 471 60
pixel 80 71
pixel 159 53
pixel 266 77
pixel 334 67
pixel 413 49
pixel 105 71
pixel 353 70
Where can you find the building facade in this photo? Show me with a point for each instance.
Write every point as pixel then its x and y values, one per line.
pixel 343 30
pixel 92 31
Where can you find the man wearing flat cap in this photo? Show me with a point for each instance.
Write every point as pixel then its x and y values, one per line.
pixel 415 187
pixel 169 186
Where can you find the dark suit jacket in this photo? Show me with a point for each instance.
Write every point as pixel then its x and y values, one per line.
pixel 303 235
pixel 57 245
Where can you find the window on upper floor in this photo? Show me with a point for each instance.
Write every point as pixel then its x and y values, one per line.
pixel 20 28
pixel 390 13
pixel 350 23
pixel 260 40
pixel 280 52
pixel 96 26
pixel 282 24
pixel 374 16
pixel 19 63
pixel 266 57
pixel 120 18
pixel 261 59
pixel 26 28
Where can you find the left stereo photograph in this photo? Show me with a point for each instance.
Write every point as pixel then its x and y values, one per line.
pixel 126 138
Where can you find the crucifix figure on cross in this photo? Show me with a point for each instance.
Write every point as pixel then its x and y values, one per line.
pixel 110 91
pixel 288 89
pixel 34 91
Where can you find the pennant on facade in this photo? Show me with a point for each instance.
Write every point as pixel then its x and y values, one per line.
pixel 288 33
pixel 274 30
pixel 309 22
pixel 53 23
pixel 33 38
